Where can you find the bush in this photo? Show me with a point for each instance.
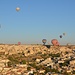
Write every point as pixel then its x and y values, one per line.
pixel 51 70
pixel 33 65
pixel 9 64
pixel 40 67
pixel 54 55
pixel 73 72
pixel 13 60
pixel 23 62
pixel 28 68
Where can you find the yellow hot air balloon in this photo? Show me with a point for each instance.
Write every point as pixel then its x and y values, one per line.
pixel 17 9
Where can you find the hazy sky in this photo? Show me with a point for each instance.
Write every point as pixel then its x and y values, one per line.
pixel 37 20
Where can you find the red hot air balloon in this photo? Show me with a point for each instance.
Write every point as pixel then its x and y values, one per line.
pixel 55 42
pixel 19 43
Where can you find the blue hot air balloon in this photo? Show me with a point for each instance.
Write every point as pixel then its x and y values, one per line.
pixel 44 41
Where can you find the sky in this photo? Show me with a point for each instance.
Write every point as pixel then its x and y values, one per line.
pixel 37 20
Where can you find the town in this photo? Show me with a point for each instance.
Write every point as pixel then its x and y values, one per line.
pixel 37 60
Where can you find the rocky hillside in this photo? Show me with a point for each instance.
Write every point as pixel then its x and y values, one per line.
pixel 37 60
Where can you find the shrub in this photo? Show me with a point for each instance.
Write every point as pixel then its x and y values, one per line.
pixel 13 60
pixel 23 62
pixel 73 72
pixel 9 64
pixel 33 65
pixel 54 55
pixel 28 68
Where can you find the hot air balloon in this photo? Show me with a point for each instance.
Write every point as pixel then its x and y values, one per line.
pixel 60 36
pixel 55 42
pixel 17 9
pixel 64 34
pixel 19 43
pixel 44 41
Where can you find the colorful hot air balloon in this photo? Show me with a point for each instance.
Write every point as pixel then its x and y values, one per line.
pixel 55 42
pixel 44 41
pixel 17 9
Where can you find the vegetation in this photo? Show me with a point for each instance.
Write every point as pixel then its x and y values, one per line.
pixel 23 62
pixel 16 59
pixel 45 56
pixel 65 73
pixel 51 70
pixel 54 55
pixel 28 68
pixel 13 60
pixel 31 60
pixel 73 72
pixel 65 63
pixel 9 64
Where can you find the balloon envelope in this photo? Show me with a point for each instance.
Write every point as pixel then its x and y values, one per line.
pixel 60 36
pixel 19 43
pixel 64 34
pixel 44 41
pixel 55 42
pixel 17 9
